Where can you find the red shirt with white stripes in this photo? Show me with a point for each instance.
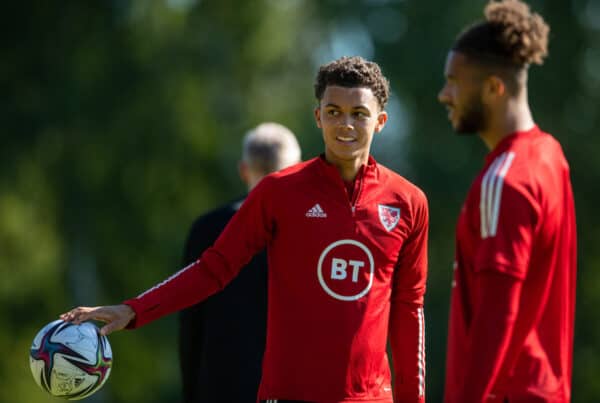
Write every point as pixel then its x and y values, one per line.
pixel 344 273
pixel 513 296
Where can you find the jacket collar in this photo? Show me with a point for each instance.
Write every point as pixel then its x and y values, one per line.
pixel 367 172
pixel 507 141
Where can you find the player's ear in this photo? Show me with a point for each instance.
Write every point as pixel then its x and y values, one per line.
pixel 382 118
pixel 318 116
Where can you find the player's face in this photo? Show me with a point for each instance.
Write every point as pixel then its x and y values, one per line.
pixel 348 118
pixel 462 95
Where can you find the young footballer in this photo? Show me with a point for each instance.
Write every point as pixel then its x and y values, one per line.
pixel 346 241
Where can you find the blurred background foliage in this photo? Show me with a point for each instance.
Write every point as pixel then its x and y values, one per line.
pixel 122 120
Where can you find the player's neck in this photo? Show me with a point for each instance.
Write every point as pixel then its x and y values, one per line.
pixel 348 169
pixel 513 117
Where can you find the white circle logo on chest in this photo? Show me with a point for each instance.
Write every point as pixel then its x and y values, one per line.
pixel 346 269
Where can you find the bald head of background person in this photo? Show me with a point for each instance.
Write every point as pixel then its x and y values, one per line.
pixel 267 148
pixel 221 340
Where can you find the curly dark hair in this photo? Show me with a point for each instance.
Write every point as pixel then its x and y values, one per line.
pixel 353 72
pixel 511 34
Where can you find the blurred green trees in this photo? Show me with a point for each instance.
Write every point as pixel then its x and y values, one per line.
pixel 121 121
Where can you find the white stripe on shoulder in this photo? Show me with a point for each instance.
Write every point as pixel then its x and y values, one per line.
pixel 491 193
pixel 498 192
pixel 485 195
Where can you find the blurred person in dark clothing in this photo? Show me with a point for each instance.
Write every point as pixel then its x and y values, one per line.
pixel 222 339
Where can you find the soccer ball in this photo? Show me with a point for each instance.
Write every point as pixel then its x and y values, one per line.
pixel 70 361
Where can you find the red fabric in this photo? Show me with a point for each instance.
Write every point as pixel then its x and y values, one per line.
pixel 518 221
pixel 353 185
pixel 330 309
pixel 349 188
pixel 493 320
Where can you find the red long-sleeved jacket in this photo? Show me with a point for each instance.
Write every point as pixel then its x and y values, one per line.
pixel 343 274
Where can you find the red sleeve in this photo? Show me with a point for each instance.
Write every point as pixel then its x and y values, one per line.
pixel 489 336
pixel 247 233
pixel 508 227
pixel 407 323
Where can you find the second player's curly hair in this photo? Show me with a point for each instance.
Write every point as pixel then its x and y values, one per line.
pixel 353 72
pixel 511 33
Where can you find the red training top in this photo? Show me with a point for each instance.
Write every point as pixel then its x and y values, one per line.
pixel 342 274
pixel 513 296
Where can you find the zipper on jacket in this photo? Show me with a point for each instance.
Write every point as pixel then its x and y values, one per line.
pixel 356 194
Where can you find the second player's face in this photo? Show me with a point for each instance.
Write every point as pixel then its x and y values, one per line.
pixel 462 95
pixel 349 117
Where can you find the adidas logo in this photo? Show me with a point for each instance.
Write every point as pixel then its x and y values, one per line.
pixel 316 211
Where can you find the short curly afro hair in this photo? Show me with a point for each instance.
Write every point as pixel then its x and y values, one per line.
pixel 353 72
pixel 510 34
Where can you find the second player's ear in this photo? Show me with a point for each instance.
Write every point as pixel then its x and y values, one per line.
pixel 495 86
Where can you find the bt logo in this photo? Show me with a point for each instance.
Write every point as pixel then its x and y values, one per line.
pixel 339 266
pixel 345 270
